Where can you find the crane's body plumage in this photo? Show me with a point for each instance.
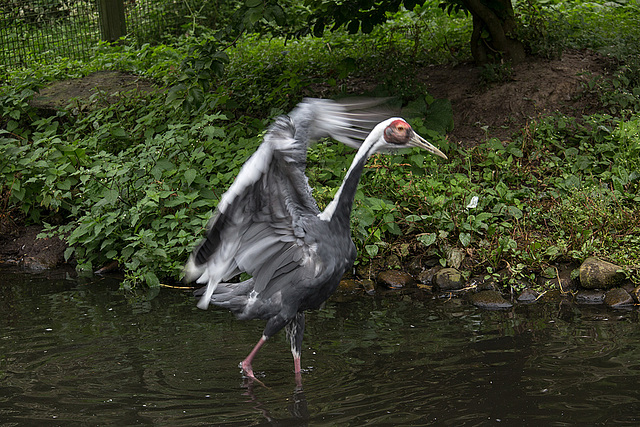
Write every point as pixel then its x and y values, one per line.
pixel 268 224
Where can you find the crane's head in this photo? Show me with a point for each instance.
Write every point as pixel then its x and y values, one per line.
pixel 396 133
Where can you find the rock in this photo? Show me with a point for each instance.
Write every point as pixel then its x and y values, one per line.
pixel 528 296
pixel 395 279
pixel 618 297
pixel 369 286
pixel 590 297
pixel 598 274
pixel 490 300
pixel 349 285
pixel 628 286
pixel 415 266
pixel 426 277
pixel 449 279
pixel 348 290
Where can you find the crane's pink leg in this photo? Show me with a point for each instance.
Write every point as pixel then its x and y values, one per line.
pixel 296 364
pixel 297 370
pixel 246 363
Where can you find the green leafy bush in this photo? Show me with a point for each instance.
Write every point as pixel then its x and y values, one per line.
pixel 135 179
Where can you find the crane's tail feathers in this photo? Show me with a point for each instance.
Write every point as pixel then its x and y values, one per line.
pixel 205 300
pixel 217 267
pixel 233 296
pixel 192 272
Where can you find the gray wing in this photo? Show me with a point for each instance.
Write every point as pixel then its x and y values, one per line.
pixel 349 120
pixel 259 224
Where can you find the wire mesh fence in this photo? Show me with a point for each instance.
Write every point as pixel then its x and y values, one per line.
pixel 42 30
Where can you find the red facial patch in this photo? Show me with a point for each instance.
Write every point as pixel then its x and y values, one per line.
pixel 398 132
pixel 399 124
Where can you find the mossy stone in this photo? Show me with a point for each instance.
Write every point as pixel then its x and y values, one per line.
pixel 598 274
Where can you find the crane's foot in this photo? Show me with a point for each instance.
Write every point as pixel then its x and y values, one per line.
pixel 247 370
pixel 247 373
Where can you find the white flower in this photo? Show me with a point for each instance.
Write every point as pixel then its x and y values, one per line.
pixel 473 203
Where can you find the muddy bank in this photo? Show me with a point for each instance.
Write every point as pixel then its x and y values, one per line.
pixel 21 246
pixel 593 282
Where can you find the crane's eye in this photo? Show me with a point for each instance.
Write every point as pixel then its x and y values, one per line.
pixel 400 128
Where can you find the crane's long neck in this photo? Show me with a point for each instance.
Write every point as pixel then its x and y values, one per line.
pixel 339 210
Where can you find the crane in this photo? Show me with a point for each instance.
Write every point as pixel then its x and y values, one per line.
pixel 268 225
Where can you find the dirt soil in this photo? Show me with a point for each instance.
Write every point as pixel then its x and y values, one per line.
pixel 100 88
pixel 20 245
pixel 536 87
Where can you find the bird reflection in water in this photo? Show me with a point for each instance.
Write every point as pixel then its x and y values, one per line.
pixel 297 407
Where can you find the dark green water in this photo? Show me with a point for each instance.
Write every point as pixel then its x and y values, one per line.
pixel 81 352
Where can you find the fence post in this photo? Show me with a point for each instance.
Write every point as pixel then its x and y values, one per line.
pixel 112 22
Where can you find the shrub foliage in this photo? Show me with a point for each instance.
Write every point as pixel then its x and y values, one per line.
pixel 134 178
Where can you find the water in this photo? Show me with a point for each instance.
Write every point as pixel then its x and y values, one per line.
pixel 80 352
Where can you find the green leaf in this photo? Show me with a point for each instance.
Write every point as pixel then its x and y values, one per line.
pixel 151 279
pixel 514 212
pixel 64 185
pixel 127 252
pixel 254 14
pixel 68 252
pixel 213 132
pixel 427 239
pixel 394 228
pixel 111 254
pixel 278 14
pixel 372 250
pixel 190 175
pixel 111 196
pixel 465 239
pixel 118 132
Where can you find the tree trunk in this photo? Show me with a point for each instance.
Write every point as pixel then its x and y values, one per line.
pixel 499 21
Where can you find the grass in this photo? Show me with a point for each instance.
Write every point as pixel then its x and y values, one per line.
pixel 135 180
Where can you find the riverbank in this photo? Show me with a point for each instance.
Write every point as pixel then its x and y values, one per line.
pixel 542 166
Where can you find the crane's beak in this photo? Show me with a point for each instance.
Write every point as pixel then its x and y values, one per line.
pixel 418 141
